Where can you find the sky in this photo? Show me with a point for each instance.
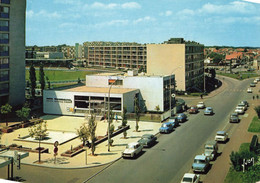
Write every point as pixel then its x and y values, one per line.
pixel 209 22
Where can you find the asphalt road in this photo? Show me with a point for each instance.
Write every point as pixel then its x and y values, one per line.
pixel 165 162
pixel 172 156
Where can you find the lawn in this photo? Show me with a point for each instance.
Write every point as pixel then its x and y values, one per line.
pixel 245 75
pixel 60 75
pixel 254 125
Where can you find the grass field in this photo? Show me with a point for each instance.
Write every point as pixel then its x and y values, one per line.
pixel 254 125
pixel 244 75
pixel 60 75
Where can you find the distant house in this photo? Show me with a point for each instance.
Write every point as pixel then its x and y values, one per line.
pixel 234 58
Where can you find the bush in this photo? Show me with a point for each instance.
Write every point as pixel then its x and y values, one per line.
pixel 257 110
pixel 254 144
pixel 252 175
pixel 236 158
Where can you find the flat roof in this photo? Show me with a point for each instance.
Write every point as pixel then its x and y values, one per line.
pixel 100 90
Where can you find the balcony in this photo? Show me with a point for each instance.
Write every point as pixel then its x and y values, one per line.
pixel 5 1
pixel 4 15
pixel 4 41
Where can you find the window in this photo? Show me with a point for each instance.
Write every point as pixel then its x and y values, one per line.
pixel 115 82
pixel 5 1
pixel 4 25
pixel 4 63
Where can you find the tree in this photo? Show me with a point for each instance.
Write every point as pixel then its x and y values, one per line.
pixel 41 78
pixel 124 121
pixel 257 110
pixel 212 73
pixel 83 133
pixel 48 81
pixel 32 80
pixel 111 126
pixel 5 110
pixel 92 126
pixel 23 113
pixel 137 113
pixel 39 132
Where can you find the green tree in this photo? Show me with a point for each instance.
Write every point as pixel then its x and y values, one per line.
pixel 83 133
pixel 41 78
pixel 124 121
pixel 23 113
pixel 39 132
pixel 32 80
pixel 257 110
pixel 92 126
pixel 5 110
pixel 137 113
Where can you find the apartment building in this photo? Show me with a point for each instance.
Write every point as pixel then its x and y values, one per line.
pixel 176 56
pixel 12 51
pixel 128 56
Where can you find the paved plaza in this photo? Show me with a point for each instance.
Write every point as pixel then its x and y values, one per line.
pixel 63 129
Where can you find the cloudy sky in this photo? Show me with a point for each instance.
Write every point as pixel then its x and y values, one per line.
pixel 210 22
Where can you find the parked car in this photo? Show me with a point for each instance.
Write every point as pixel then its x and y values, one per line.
pixel 252 84
pixel 211 149
pixel 245 102
pixel 200 163
pixel 201 105
pixel 221 136
pixel 132 150
pixel 239 110
pixel 190 178
pixel 193 110
pixel 173 121
pixel 234 118
pixel 181 117
pixel 166 128
pixel 208 111
pixel 255 81
pixel 147 140
pixel 244 106
pixel 249 90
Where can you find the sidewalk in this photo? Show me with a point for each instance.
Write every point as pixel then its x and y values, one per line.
pixel 66 123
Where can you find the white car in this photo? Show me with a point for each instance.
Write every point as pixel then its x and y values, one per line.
pixel 239 110
pixel 244 106
pixel 132 149
pixel 249 90
pixel 255 81
pixel 201 105
pixel 221 136
pixel 190 178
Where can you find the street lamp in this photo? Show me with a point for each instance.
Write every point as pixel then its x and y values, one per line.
pixel 108 128
pixel 170 97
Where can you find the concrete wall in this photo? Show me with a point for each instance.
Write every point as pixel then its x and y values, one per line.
pixel 17 52
pixel 167 59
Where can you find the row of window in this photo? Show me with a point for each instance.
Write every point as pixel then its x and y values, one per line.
pixel 4 63
pixel 4 75
pixel 5 1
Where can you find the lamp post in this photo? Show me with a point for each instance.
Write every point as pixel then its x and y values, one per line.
pixel 170 97
pixel 108 128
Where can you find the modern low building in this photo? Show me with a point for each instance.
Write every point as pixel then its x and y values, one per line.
pixel 152 91
pixel 12 51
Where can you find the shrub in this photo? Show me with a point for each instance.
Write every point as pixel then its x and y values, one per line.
pixel 236 158
pixel 254 144
pixel 252 175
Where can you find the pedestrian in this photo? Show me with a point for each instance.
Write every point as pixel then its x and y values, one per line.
pixel 116 117
pixel 253 97
pixel 257 97
pixel 201 96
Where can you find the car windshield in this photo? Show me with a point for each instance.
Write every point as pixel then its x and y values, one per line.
pixel 234 115
pixel 199 161
pixel 164 125
pixel 130 146
pixel 187 179
pixel 209 147
pixel 220 134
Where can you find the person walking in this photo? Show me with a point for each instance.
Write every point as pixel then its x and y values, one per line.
pixel 253 97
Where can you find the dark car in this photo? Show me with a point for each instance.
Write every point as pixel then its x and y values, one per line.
pixel 193 110
pixel 173 121
pixel 147 140
pixel 181 117
pixel 234 118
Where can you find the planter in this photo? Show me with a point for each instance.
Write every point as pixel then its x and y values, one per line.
pixel 73 152
pixel 7 130
pixel 42 150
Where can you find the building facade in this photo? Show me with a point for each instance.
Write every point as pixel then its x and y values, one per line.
pixel 121 90
pixel 12 51
pixel 184 59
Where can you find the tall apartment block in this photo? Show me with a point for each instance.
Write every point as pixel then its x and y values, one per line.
pixel 175 56
pixel 12 51
pixel 133 56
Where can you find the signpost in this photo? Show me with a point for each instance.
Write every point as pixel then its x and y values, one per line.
pixel 56 143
